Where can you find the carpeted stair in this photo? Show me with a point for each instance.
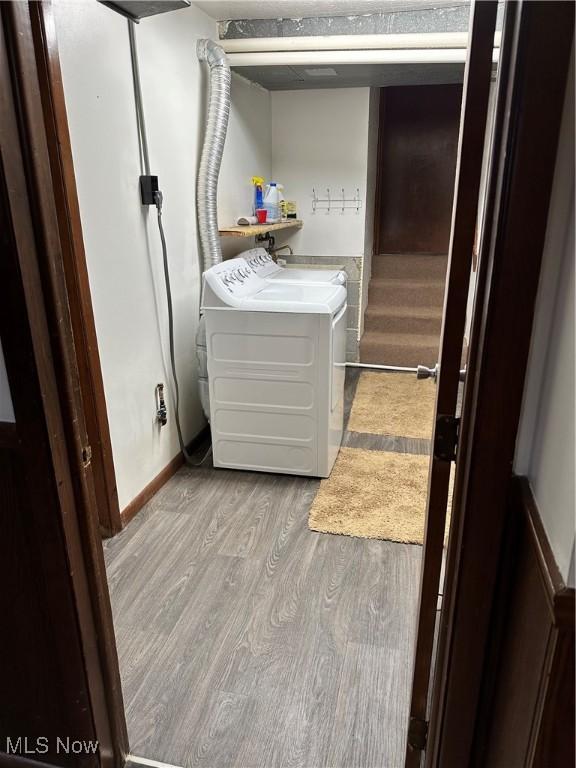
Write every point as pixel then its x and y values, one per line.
pixel 404 313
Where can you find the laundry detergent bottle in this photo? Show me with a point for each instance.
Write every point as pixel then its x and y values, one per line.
pixel 272 203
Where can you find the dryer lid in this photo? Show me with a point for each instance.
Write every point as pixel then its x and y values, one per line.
pixel 310 275
pixel 279 296
pixel 233 284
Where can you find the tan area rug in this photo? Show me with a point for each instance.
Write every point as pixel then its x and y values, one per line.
pixel 374 495
pixel 393 404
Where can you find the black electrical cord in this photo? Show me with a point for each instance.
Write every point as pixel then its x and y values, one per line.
pixel 141 125
pixel 158 201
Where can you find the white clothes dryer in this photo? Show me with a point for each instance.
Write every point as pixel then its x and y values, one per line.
pixel 276 356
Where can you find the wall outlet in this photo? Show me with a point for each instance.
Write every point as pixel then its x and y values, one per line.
pixel 161 410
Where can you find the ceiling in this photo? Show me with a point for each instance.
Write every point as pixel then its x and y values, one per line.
pixel 293 78
pixel 222 10
pixel 276 78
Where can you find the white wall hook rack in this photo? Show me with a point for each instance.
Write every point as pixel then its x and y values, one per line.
pixel 336 203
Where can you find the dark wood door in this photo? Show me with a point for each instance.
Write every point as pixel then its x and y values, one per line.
pixel 466 191
pixel 416 167
pixel 58 662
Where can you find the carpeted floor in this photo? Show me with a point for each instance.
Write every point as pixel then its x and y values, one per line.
pixel 404 313
pixel 378 487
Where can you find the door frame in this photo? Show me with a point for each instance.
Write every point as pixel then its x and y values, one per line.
pixel 36 210
pixel 531 90
pixel 474 121
pixel 74 264
pixel 503 317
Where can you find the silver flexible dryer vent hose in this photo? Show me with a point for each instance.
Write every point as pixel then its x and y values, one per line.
pixel 207 184
pixel 211 158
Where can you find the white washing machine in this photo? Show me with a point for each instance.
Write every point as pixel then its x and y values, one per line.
pixel 276 365
pixel 265 266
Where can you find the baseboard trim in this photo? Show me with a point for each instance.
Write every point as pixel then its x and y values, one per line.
pixel 561 598
pixel 527 716
pixel 131 510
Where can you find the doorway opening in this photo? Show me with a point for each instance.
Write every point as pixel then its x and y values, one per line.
pixel 416 168
pixel 247 628
pixel 55 561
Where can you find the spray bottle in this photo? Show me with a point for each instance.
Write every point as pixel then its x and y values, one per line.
pixel 258 183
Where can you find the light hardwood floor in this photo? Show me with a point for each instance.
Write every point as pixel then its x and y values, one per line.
pixel 247 640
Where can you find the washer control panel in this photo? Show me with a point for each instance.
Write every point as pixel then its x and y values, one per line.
pixel 234 278
pixel 265 266
pixel 261 262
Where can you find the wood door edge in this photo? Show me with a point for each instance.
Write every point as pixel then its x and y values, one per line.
pixel 74 258
pixel 465 207
pixel 36 236
pixel 450 697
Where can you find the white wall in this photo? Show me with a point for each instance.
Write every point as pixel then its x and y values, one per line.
pixel 248 149
pixel 247 153
pixel 121 238
pixel 320 140
pixel 545 449
pixel 6 409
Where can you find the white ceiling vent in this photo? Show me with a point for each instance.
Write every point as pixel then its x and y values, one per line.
pixel 321 72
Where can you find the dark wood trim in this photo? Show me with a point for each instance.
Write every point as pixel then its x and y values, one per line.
pixel 564 612
pixel 465 208
pixel 39 561
pixel 527 717
pixel 553 743
pixel 8 435
pixel 379 161
pixel 530 100
pixel 454 544
pixel 45 388
pixel 74 264
pixel 131 510
pixel 560 597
